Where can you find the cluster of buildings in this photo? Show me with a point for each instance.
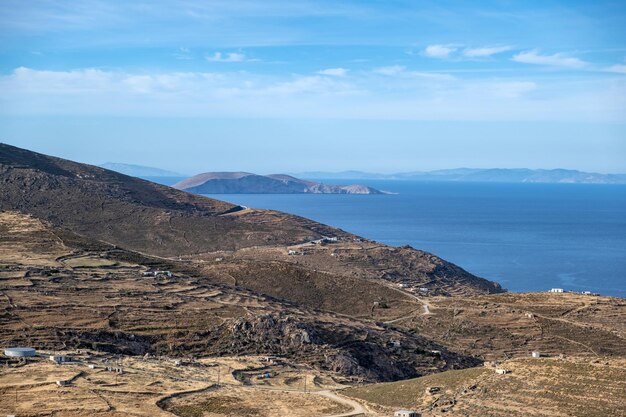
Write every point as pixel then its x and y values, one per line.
pixel 406 413
pixel 561 290
pixel 155 274
pixel 325 239
pixel 413 289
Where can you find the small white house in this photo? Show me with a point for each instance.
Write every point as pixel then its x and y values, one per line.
pixel 502 371
pixel 58 359
pixel 405 413
pixel 63 383
pixel 530 315
pixel 556 290
pixel 536 354
pixel 292 252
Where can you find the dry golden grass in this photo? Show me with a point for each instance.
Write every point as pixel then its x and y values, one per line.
pixel 575 387
pixel 249 402
pixel 147 385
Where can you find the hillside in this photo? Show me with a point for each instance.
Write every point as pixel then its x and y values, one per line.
pixel 246 183
pixel 534 387
pixel 514 324
pixel 78 243
pixel 137 214
pixel 161 221
pixel 64 291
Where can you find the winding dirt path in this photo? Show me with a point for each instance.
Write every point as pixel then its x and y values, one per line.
pixel 425 305
pixel 357 409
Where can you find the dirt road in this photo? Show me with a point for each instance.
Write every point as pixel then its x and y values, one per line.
pixel 357 409
pixel 425 305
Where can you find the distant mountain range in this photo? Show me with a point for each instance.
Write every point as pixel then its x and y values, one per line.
pixel 293 184
pixel 247 183
pixel 521 175
pixel 139 170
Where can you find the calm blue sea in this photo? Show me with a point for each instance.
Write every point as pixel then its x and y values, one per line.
pixel 528 237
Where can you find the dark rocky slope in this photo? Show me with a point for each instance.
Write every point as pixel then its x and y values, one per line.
pixel 157 220
pixel 134 213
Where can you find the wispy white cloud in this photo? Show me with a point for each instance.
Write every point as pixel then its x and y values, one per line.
pixel 383 93
pixel 390 70
pixel 402 71
pixel 439 51
pixel 556 60
pixel 335 72
pixel 618 68
pixel 485 51
pixel 183 53
pixel 226 57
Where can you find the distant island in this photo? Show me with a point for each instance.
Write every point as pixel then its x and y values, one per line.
pixel 138 170
pixel 247 183
pixel 521 175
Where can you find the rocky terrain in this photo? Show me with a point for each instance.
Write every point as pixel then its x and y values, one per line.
pixel 63 291
pixel 513 325
pixel 247 183
pixel 80 253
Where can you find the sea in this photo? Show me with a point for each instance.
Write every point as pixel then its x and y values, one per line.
pixel 527 237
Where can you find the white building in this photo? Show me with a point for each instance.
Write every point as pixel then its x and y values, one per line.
pixel 502 371
pixel 405 413
pixel 556 290
pixel 536 354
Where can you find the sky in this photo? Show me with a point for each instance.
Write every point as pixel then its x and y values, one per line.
pixel 288 86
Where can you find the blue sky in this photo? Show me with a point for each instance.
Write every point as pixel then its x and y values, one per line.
pixel 276 85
